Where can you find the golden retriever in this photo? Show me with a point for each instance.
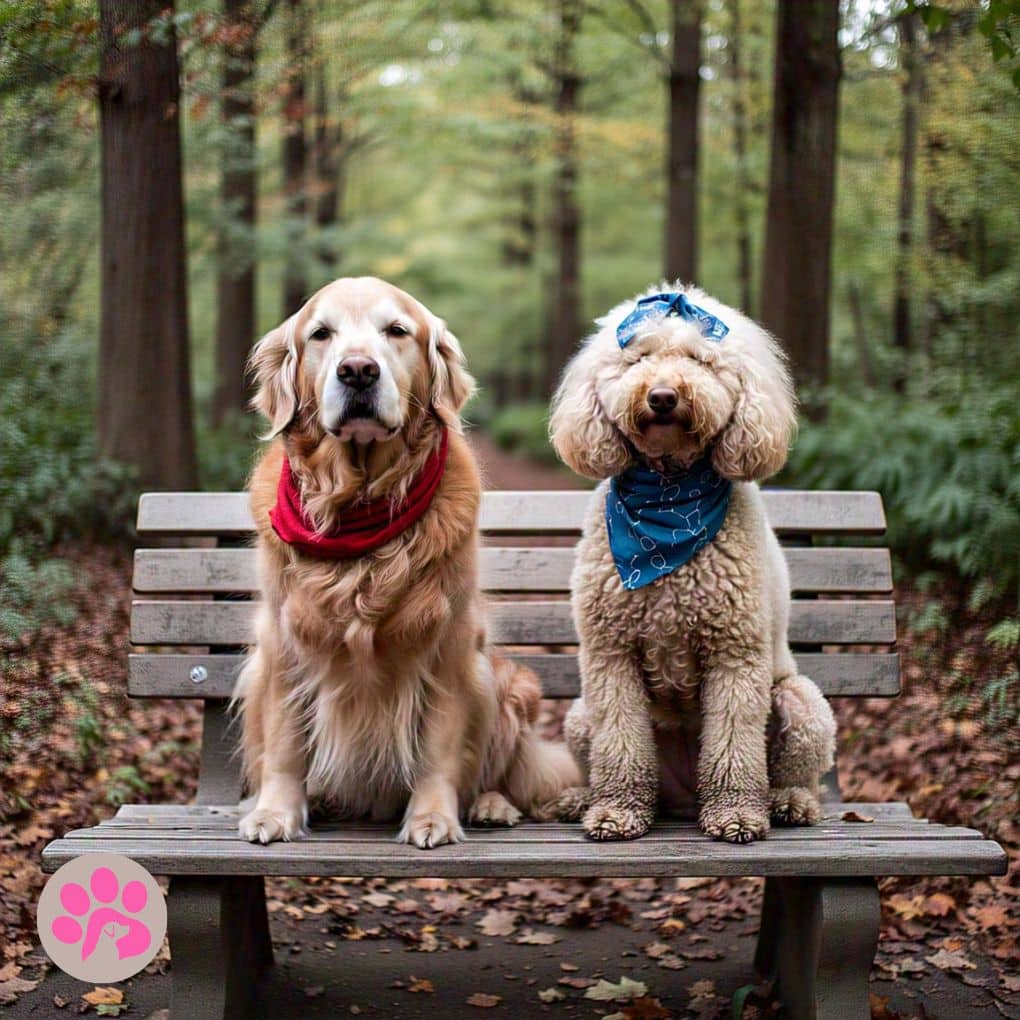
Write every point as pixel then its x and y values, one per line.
pixel 370 689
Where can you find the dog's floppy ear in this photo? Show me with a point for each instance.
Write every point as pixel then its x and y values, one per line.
pixel 452 387
pixel 755 442
pixel 272 365
pixel 582 435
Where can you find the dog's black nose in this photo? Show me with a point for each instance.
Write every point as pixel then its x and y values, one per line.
pixel 663 399
pixel 358 372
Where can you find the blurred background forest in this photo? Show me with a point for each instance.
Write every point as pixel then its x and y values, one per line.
pixel 176 179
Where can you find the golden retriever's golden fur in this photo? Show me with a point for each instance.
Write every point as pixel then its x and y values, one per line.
pixel 370 688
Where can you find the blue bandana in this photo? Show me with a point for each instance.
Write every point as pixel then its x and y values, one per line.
pixel 663 305
pixel 657 522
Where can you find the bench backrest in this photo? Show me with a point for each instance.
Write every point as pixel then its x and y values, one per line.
pixel 195 611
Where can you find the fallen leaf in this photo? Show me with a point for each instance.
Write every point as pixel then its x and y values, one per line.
pixel 853 816
pixel 536 938
pixel 498 922
pixel 644 1008
pixel 420 985
pixel 946 960
pixel 378 899
pixel 625 991
pixel 702 989
pixel 314 991
pixel 484 1001
pixel 104 997
pixel 939 904
pixel 577 982
pixel 672 927
pixel 552 994
pixel 10 990
pixel 657 950
pixel 992 916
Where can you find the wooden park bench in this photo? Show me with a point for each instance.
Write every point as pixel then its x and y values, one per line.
pixel 820 919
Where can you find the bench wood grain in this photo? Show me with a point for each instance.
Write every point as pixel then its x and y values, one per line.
pixel 520 513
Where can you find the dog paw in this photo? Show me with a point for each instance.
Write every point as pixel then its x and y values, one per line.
pixel 734 823
pixel 493 808
pixel 794 805
pixel 264 825
pixel 569 806
pixel 612 821
pixel 431 829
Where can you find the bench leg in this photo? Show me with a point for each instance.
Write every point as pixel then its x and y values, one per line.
pixel 828 933
pixel 219 945
pixel 768 931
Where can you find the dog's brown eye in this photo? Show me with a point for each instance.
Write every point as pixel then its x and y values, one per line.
pixel 395 329
pixel 320 333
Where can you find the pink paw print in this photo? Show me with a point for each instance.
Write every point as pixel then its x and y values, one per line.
pixel 91 917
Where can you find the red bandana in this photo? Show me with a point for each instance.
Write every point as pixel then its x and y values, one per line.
pixel 363 527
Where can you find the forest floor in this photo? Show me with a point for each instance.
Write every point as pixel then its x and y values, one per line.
pixel 74 747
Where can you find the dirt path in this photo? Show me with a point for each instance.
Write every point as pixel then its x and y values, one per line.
pixel 504 470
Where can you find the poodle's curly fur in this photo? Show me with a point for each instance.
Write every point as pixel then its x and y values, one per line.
pixel 694 667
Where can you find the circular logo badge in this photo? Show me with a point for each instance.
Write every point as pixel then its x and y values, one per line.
pixel 101 918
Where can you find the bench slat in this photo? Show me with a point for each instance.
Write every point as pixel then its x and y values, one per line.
pixel 885 810
pixel 794 512
pixel 813 622
pixel 225 828
pixel 502 569
pixel 822 857
pixel 846 674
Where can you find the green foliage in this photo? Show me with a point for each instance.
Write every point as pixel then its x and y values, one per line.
pixel 524 429
pixel 33 595
pixel 947 471
pixel 51 485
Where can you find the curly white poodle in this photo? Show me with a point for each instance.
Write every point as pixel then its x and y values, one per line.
pixel 679 404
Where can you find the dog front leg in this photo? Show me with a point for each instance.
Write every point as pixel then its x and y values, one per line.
pixel 622 762
pixel 281 807
pixel 733 787
pixel 433 812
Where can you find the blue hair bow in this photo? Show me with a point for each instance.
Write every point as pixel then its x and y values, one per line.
pixel 670 304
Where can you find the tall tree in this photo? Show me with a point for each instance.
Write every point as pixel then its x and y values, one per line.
pixel 912 85
pixel 684 78
pixel 566 298
pixel 144 393
pixel 295 155
pixel 235 275
pixel 328 166
pixel 797 270
pixel 742 190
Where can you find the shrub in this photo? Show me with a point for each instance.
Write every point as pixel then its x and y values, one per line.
pixel 946 471
pixel 524 429
pixel 51 485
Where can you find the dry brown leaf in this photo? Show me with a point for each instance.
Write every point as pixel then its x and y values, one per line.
pixel 420 985
pixel 536 938
pixel 484 1001
pixel 854 816
pixel 946 960
pixel 104 997
pixel 498 922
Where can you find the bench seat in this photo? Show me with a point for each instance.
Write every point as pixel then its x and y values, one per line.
pixel 202 839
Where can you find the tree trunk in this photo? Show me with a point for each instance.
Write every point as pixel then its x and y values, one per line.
pixel 797 271
pixel 295 158
pixel 328 169
pixel 681 242
pixel 144 393
pixel 235 280
pixel 566 319
pixel 912 85
pixel 860 333
pixel 741 200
